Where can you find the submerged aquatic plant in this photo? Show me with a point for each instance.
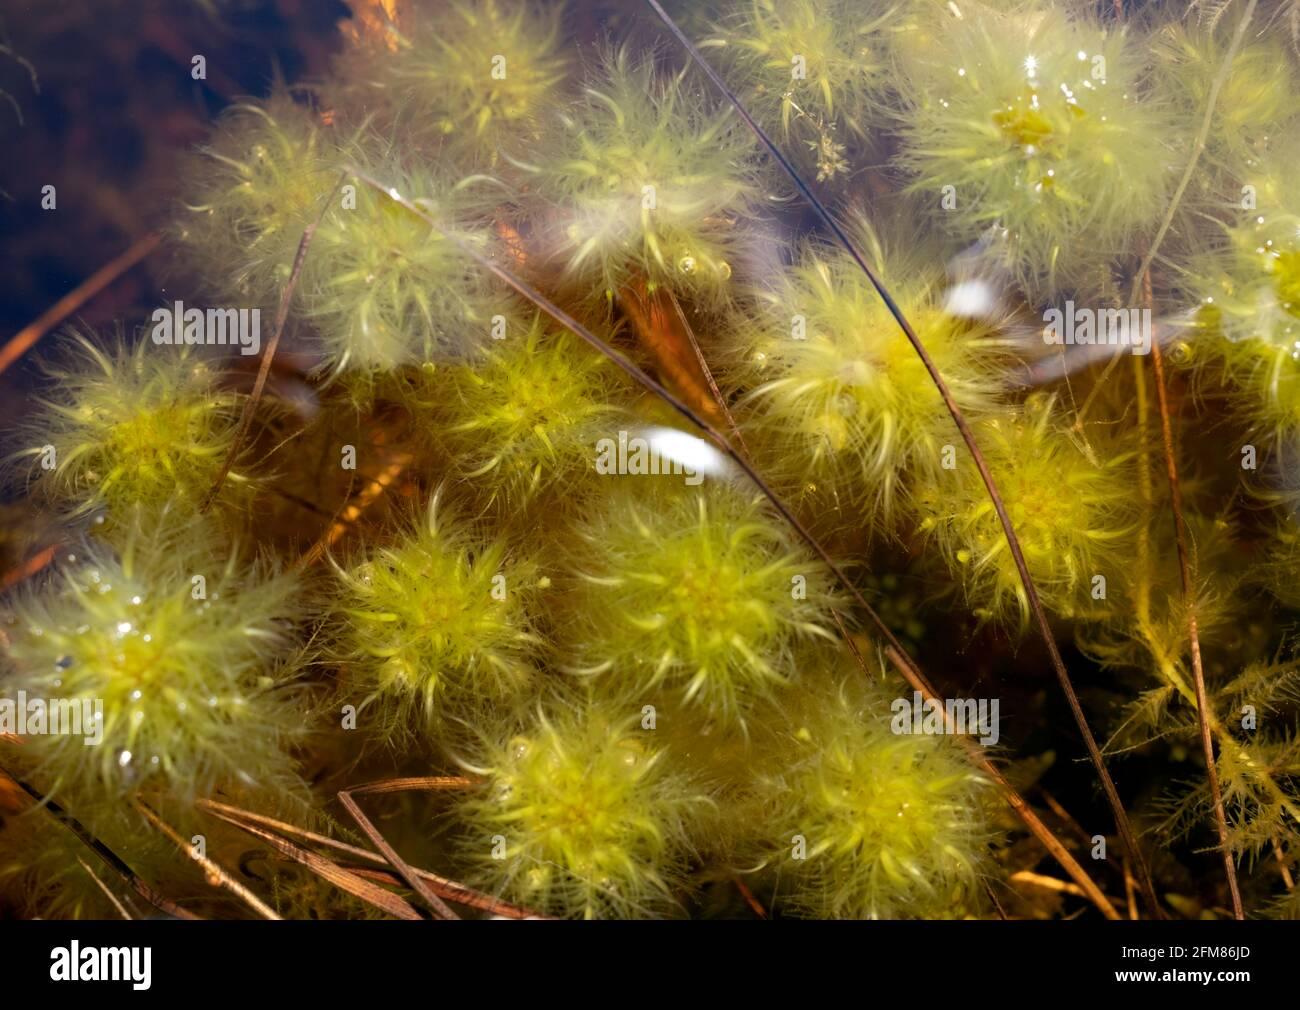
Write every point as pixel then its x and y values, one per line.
pixel 857 821
pixel 645 177
pixel 463 81
pixel 581 816
pixel 838 403
pixel 438 624
pixel 816 73
pixel 1032 124
pixel 522 417
pixel 384 288
pixel 1258 98
pixel 1073 511
pixel 1247 322
pixel 645 675
pixel 178 654
pixel 701 594
pixel 250 193
pixel 130 425
pixel 381 286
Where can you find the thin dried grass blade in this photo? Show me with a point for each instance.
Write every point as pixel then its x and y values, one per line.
pixel 117 904
pixel 358 887
pixel 452 890
pixel 440 907
pixel 212 870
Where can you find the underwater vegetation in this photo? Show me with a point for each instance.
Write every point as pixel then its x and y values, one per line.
pixel 422 630
pixel 595 821
pixel 834 396
pixel 129 429
pixel 702 593
pixel 883 815
pixel 815 74
pixel 1036 120
pixel 185 659
pixel 649 534
pixel 1074 512
pixel 644 178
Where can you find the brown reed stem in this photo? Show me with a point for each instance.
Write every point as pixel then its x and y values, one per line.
pixel 22 341
pixel 1193 636
pixel 114 861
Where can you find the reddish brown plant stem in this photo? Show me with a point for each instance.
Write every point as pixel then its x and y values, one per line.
pixel 440 907
pixel 268 354
pixel 1193 636
pixel 22 341
pixel 754 904
pixel 27 569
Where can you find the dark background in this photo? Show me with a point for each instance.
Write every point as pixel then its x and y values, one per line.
pixel 97 99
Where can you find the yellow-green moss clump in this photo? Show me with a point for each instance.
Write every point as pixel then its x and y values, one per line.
pixel 248 195
pixel 1032 124
pixel 383 287
pixel 854 821
pixel 130 425
pixel 699 593
pixel 438 624
pixel 644 178
pixel 815 74
pixel 521 419
pixel 1246 326
pixel 178 657
pixel 581 815
pixel 467 81
pixel 840 408
pixel 1073 510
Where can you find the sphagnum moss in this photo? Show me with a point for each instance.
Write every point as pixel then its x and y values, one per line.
pixel 518 421
pixel 435 626
pixel 1245 331
pixel 663 715
pixel 645 178
pixel 1038 125
pixel 250 193
pixel 464 82
pixel 836 399
pixel 857 821
pixel 131 424
pixel 384 289
pixel 582 815
pixel 1072 509
pixel 815 74
pixel 696 592
pixel 183 653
